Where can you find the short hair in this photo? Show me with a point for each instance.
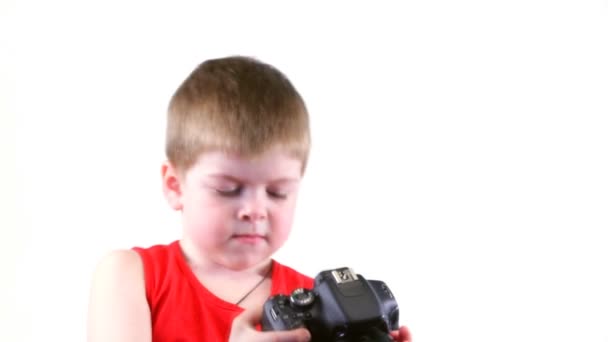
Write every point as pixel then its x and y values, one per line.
pixel 235 104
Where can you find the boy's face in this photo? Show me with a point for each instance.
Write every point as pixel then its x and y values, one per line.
pixel 236 211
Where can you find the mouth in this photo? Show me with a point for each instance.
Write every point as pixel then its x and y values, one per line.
pixel 249 238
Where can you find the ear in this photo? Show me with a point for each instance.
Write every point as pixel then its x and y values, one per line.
pixel 171 185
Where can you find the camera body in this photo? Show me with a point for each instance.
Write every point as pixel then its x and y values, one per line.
pixel 342 306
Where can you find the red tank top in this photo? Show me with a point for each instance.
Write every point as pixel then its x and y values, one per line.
pixel 183 309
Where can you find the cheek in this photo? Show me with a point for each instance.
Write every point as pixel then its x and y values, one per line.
pixel 206 215
pixel 208 228
pixel 283 216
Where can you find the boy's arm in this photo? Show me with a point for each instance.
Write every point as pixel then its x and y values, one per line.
pixel 118 309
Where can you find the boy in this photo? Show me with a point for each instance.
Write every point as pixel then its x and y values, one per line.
pixel 237 145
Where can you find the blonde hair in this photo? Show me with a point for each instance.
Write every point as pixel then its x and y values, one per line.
pixel 235 104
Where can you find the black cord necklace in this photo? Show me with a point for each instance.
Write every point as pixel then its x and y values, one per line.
pixel 256 286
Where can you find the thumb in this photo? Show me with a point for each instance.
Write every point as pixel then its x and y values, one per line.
pixel 295 335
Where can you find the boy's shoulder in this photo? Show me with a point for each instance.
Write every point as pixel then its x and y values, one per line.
pixel 119 261
pixel 158 259
pixel 118 296
pixel 286 279
pixel 157 249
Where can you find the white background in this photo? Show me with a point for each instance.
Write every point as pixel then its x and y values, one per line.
pixel 460 152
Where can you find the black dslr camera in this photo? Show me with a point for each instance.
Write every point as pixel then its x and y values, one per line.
pixel 343 306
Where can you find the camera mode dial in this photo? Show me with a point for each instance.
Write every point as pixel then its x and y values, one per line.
pixel 301 298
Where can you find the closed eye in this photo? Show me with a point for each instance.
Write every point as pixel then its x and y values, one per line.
pixel 230 192
pixel 276 194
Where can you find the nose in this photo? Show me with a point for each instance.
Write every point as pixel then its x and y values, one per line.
pixel 253 208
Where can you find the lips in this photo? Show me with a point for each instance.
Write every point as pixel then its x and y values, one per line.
pixel 249 238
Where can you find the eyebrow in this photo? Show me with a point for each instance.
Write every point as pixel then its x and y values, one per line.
pixel 237 180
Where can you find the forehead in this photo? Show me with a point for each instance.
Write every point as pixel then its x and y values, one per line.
pixel 271 165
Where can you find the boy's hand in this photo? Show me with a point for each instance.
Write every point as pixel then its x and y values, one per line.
pixel 243 330
pixel 401 335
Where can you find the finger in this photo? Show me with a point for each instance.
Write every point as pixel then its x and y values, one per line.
pixel 405 334
pixel 401 335
pixel 296 335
